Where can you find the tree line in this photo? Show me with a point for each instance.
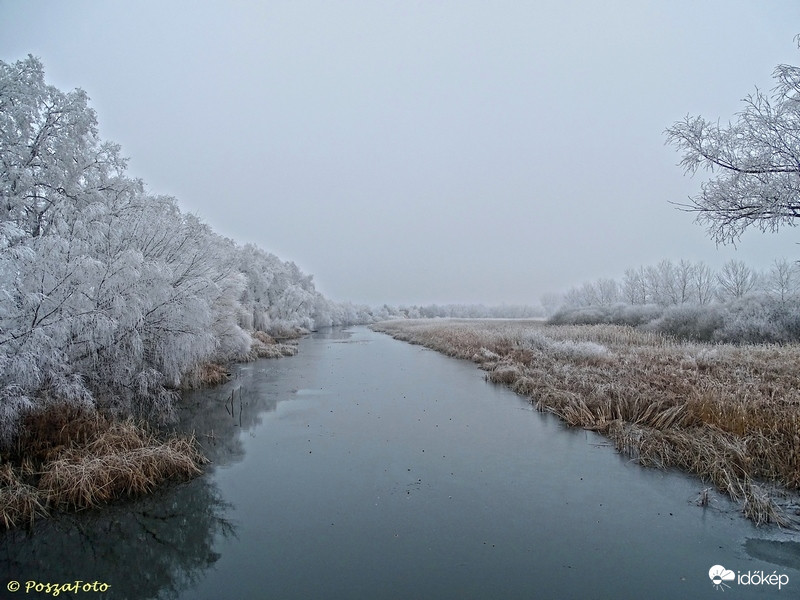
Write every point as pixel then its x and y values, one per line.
pixel 691 301
pixel 684 282
pixel 111 296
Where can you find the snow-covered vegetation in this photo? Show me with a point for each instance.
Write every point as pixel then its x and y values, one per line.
pixel 690 301
pixel 110 296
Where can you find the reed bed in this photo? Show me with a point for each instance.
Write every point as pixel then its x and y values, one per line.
pixel 20 503
pixel 262 345
pixel 266 346
pixel 70 458
pixel 207 374
pixel 123 461
pixel 729 414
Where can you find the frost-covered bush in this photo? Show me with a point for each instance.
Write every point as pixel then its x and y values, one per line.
pixel 760 318
pixel 588 315
pixel 568 349
pixel 754 318
pixel 788 315
pixel 698 322
pixel 635 314
pixel 677 299
pixel 619 314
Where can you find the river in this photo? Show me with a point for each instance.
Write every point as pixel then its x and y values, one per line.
pixel 365 467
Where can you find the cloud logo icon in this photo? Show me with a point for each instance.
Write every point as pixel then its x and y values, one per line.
pixel 719 575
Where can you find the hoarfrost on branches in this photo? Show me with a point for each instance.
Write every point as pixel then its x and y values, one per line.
pixel 110 295
pixel 755 161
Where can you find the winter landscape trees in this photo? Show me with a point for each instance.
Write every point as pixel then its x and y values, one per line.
pixel 755 161
pixel 111 296
pixel 755 182
pixel 690 300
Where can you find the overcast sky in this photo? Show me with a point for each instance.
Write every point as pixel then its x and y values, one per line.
pixel 416 152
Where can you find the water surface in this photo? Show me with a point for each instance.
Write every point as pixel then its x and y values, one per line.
pixel 365 467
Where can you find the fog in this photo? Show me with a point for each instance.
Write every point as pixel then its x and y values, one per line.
pixel 416 152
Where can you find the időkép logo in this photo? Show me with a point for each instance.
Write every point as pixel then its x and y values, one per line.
pixel 722 578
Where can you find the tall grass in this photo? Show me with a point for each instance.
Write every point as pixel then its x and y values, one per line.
pixel 730 414
pixel 121 461
pixel 19 502
pixel 73 458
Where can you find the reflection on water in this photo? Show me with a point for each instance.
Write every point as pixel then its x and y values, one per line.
pixel 154 547
pixel 216 416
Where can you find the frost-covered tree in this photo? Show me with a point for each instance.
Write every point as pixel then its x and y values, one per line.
pixel 550 302
pixel 602 292
pixel 259 268
pixel 112 293
pixel 664 283
pixel 783 280
pixel 660 283
pixel 703 283
pixel 684 291
pixel 607 291
pixel 110 296
pixel 735 279
pixel 634 286
pixel 584 295
pixel 668 283
pixel 755 161
pixel 52 169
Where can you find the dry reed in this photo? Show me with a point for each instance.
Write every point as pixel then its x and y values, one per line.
pixel 263 337
pixel 265 346
pixel 123 461
pixel 72 458
pixel 19 502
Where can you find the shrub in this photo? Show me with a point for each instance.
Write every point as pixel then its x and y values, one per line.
pixel 689 322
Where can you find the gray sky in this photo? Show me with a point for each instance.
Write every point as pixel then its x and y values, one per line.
pixel 416 152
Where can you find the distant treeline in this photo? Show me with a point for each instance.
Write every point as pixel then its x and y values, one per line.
pixel 692 301
pixel 460 311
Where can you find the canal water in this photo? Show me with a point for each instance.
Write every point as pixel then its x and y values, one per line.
pixel 368 468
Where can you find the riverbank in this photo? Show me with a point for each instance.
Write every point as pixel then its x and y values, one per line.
pixel 70 458
pixel 729 414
